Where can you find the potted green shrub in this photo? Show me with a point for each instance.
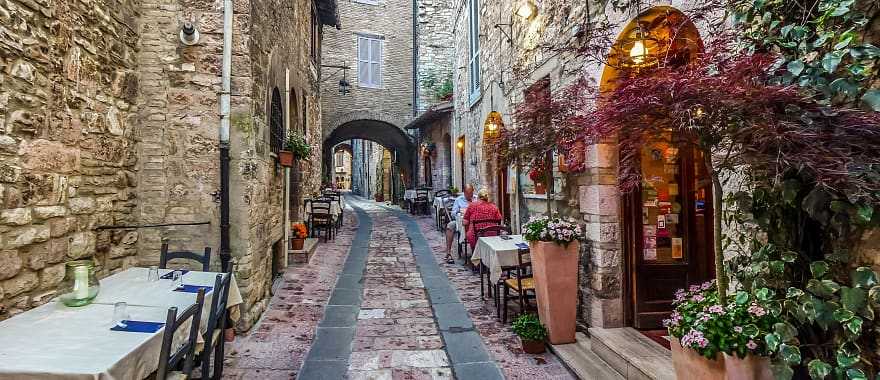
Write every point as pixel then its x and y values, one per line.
pixel 555 249
pixel 295 148
pixel 531 333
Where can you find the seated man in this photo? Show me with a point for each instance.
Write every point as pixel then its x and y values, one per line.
pixel 458 208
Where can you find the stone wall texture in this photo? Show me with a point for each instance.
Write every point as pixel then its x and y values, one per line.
pixel 392 21
pixel 68 94
pixel 106 119
pixel 435 49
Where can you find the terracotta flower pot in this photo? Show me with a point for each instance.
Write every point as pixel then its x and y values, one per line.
pixel 285 158
pixel 540 188
pixel 533 346
pixel 691 365
pixel 556 271
pixel 297 244
pixel 752 367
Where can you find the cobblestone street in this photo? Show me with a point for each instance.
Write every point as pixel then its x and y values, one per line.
pixel 394 313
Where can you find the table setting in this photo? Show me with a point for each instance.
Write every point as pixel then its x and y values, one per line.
pixel 498 252
pixel 107 329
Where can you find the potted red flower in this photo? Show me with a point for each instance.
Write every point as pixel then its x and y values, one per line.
pixel 300 232
pixel 531 333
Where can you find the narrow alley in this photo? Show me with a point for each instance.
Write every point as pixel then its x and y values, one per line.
pixel 392 312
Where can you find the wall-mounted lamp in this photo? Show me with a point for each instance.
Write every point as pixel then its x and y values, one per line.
pixel 189 35
pixel 460 144
pixel 344 86
pixel 526 9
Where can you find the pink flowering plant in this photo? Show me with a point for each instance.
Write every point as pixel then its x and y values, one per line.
pixel 692 321
pixel 708 326
pixel 558 230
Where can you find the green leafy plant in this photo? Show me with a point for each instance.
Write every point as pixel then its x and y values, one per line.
pixel 453 190
pixel 822 45
pixel 297 144
pixel 529 328
pixel 798 262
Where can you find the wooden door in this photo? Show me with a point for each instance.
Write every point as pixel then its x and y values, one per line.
pixel 667 230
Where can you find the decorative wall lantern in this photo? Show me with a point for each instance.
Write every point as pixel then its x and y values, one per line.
pixel 493 124
pixel 526 9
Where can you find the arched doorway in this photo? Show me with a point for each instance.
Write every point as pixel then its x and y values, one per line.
pixel 447 150
pixel 276 142
pixel 666 221
pixel 496 170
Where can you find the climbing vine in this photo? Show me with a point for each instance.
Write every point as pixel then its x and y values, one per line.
pixel 823 45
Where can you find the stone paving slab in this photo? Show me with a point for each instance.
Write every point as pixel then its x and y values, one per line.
pixel 340 316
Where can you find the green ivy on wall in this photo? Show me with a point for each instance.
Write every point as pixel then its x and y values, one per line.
pixel 823 45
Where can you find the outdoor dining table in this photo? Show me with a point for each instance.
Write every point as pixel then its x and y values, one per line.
pixel 54 341
pixel 409 195
pixel 497 253
pixel 335 209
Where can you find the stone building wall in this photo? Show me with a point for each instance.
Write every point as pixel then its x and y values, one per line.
pixel 67 116
pixel 435 49
pixel 508 68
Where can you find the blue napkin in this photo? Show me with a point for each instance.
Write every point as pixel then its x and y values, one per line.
pixel 138 326
pixel 170 275
pixel 193 288
pixel 522 245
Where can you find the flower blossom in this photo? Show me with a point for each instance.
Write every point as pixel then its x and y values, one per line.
pixel 751 345
pixel 757 311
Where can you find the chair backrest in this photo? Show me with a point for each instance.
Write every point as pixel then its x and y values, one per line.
pixel 165 256
pixel 491 230
pixel 320 210
pixel 216 320
pixel 522 266
pixel 168 360
pixel 441 193
pixel 422 195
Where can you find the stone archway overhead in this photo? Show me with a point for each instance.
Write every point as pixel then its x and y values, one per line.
pixel 347 117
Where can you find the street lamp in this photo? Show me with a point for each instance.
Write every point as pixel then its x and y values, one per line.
pixel 526 9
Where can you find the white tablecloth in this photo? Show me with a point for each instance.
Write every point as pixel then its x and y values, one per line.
pixel 58 342
pixel 409 195
pixel 54 341
pixel 335 209
pixel 495 253
pixel 131 286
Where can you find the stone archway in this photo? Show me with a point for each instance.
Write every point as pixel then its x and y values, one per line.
pixel 382 128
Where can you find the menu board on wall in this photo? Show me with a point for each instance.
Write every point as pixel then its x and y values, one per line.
pixel 676 248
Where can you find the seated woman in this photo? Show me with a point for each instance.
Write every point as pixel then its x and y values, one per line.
pixel 480 214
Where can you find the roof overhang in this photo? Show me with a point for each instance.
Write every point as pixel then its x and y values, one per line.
pixel 328 13
pixel 426 119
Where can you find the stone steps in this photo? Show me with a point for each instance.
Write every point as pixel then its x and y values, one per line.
pixel 632 354
pixel 302 256
pixel 621 353
pixel 583 362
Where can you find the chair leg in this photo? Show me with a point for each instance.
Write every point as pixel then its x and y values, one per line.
pixel 218 360
pixel 482 294
pixel 498 300
pixel 504 300
pixel 522 301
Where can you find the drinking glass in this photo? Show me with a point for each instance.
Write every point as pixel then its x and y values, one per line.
pixel 120 313
pixel 153 274
pixel 177 279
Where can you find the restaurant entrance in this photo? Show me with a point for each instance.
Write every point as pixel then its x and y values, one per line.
pixel 667 229
pixel 667 219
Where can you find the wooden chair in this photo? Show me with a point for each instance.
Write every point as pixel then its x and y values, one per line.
pixel 165 256
pixel 444 215
pixel 321 218
pixel 179 364
pixel 490 230
pixel 214 346
pixel 420 204
pixel 520 280
pixel 334 198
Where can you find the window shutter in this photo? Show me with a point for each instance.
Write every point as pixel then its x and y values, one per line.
pixel 363 61
pixel 376 62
